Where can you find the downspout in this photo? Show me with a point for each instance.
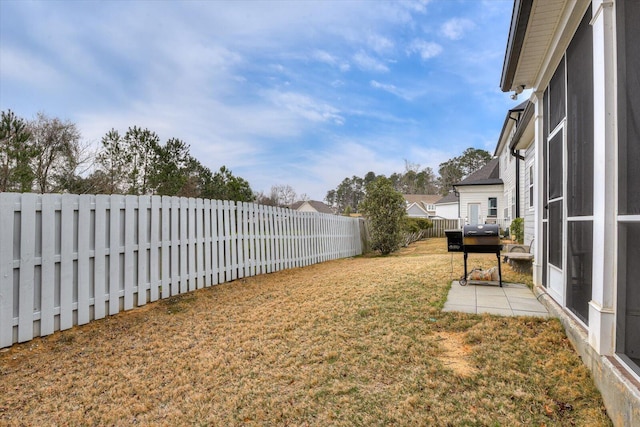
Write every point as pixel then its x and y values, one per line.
pixel 518 157
pixel 457 194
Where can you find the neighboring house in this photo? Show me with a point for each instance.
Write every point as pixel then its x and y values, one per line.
pixel 581 146
pixel 421 205
pixel 511 166
pixel 312 206
pixel 448 207
pixel 517 160
pixel 481 196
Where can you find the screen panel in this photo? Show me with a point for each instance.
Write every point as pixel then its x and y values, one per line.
pixel 579 267
pixel 579 197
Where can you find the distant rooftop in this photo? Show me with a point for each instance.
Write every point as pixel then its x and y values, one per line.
pixel 489 174
pixel 449 198
pixel 317 205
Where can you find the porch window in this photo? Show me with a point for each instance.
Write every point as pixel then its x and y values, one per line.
pixel 493 207
pixel 531 186
pixel 579 181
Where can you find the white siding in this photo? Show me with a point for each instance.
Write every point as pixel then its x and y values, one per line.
pixel 508 176
pixel 447 210
pixel 306 207
pixel 528 210
pixel 480 194
pixel 415 211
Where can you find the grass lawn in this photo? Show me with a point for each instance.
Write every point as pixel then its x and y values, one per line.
pixel 358 341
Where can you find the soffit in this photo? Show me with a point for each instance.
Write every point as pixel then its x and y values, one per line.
pixel 545 18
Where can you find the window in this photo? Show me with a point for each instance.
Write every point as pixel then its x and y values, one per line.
pixel 530 186
pixel 493 207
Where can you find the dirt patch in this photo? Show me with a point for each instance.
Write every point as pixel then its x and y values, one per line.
pixel 457 354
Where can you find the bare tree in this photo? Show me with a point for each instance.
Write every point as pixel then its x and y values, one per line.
pixel 284 195
pixel 58 152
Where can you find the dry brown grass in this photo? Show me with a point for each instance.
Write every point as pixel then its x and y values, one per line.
pixel 358 341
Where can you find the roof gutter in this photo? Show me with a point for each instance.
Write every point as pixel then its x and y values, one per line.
pixel 523 121
pixel 517 31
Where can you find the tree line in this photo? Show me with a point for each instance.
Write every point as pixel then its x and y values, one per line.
pixel 46 155
pixel 351 192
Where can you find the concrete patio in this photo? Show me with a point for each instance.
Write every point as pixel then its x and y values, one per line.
pixel 512 299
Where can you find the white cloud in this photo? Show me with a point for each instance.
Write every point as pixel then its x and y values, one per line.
pixel 324 56
pixel 419 6
pixel 25 67
pixel 425 49
pixel 392 89
pixel 455 28
pixel 386 87
pixel 306 107
pixel 380 44
pixel 368 63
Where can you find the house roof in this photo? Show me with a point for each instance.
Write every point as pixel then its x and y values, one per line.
pixel 515 42
pixel 524 131
pixel 429 199
pixel 489 174
pixel 449 198
pixel 318 206
pixel 512 119
pixel 539 33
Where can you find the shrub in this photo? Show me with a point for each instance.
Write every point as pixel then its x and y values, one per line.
pixel 415 229
pixel 517 230
pixel 384 208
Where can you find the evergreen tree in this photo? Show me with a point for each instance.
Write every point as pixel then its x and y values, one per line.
pixel 384 208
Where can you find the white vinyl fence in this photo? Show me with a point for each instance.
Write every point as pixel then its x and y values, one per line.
pixel 67 259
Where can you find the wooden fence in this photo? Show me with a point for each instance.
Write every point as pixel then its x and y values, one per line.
pixel 439 225
pixel 67 259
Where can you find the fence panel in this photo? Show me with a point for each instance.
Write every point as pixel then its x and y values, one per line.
pixel 48 264
pixel 440 225
pixel 155 235
pixel 67 259
pixel 85 232
pixel 99 257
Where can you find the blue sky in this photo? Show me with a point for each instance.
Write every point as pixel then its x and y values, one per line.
pixel 298 93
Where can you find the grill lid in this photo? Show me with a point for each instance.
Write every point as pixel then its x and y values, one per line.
pixel 481 230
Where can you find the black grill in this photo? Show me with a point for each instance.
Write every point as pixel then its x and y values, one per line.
pixel 481 238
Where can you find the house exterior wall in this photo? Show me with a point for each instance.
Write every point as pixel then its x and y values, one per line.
pixel 414 211
pixel 480 194
pixel 306 207
pixel 528 207
pixel 593 233
pixel 508 176
pixel 447 210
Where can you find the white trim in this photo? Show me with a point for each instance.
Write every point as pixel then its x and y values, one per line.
pixel 580 218
pixel 602 308
pixel 629 218
pixel 596 13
